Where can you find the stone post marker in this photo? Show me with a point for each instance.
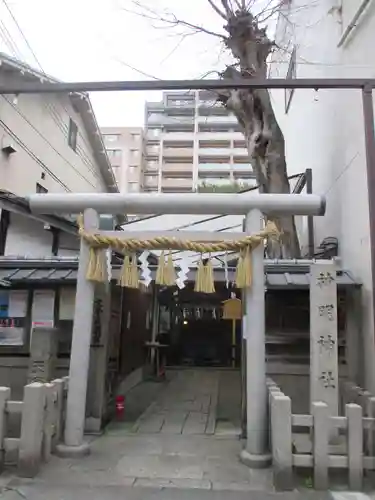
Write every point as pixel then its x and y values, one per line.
pixel 323 336
pixel 31 440
pixel 43 352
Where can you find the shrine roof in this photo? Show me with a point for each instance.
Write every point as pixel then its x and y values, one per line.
pixel 279 274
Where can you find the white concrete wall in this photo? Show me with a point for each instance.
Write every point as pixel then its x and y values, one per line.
pixel 324 131
pixel 37 125
pixel 28 238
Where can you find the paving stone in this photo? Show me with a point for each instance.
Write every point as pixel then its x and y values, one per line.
pixel 196 423
pixel 174 422
pixel 227 429
pixel 174 483
pixel 163 466
pixel 205 401
pixel 151 424
pixel 225 486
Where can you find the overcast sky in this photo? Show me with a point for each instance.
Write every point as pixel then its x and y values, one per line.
pixel 100 40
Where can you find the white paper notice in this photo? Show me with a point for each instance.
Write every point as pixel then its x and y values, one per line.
pixel 244 327
pixel 43 308
pixel 18 303
pixel 67 303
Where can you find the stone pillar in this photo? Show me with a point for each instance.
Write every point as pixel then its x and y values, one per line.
pixel 31 440
pixel 256 454
pixel 353 335
pixel 74 444
pixel 98 358
pixel 43 350
pixel 323 335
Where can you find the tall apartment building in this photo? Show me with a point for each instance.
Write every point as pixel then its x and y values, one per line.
pixel 124 147
pixel 191 144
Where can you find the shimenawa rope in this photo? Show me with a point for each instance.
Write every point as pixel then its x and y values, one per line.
pixel 166 274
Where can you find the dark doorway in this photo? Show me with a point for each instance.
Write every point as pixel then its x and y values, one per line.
pixel 195 331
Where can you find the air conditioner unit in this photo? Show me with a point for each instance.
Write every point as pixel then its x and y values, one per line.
pixel 8 146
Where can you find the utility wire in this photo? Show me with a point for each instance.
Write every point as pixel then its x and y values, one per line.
pixel 46 140
pixel 32 155
pixel 9 42
pixel 48 106
pixel 22 33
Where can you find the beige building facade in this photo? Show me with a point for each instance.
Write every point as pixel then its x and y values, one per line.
pixel 124 147
pixel 49 142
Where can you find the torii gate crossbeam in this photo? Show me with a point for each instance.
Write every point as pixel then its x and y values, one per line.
pixel 252 207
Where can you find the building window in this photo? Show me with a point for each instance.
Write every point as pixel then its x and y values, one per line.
pixel 114 154
pixel 154 132
pixel 153 150
pixel 40 188
pixel 180 102
pixel 291 74
pixel 72 134
pixel 179 128
pixel 133 187
pixel 111 137
pixel 134 153
pixel 152 165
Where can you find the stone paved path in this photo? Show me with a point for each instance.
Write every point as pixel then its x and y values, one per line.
pixel 171 453
pixel 69 492
pixel 187 406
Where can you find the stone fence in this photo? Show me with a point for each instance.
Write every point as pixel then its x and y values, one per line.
pixel 42 414
pixel 352 393
pixel 342 442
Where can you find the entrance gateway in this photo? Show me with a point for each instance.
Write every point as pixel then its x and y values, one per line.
pixel 252 207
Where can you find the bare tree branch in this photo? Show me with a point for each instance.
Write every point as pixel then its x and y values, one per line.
pixel 169 19
pixel 227 8
pixel 195 27
pixel 178 44
pixel 216 9
pixel 239 4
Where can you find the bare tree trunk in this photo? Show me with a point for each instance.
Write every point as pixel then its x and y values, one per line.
pixel 254 112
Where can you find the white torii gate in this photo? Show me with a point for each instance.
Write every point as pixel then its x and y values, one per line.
pixel 252 206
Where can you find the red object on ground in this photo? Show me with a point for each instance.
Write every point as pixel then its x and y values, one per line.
pixel 120 405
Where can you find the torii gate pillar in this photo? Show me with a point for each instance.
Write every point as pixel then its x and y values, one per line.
pixel 255 454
